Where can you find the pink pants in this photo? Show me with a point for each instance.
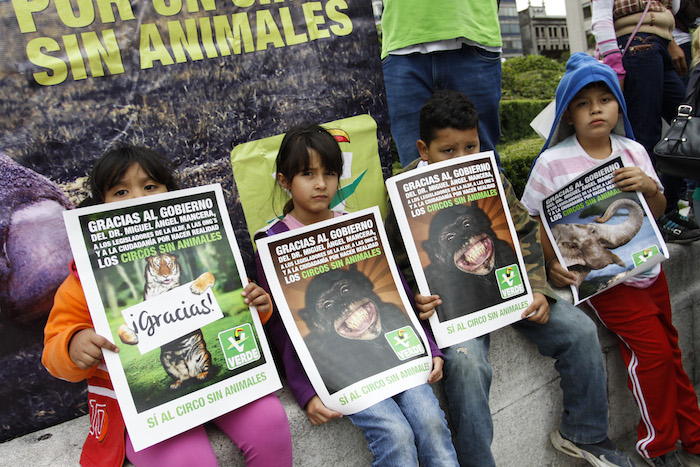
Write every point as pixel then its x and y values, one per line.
pixel 259 429
pixel 641 318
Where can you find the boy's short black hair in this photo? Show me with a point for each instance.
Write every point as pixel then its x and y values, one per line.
pixel 446 108
pixel 113 164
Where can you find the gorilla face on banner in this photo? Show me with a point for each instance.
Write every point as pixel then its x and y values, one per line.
pixel 191 80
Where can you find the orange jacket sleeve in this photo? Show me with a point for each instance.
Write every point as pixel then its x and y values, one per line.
pixel 69 315
pixel 264 317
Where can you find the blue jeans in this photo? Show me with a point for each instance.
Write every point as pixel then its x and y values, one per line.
pixel 411 79
pixel 395 427
pixel 571 338
pixel 653 90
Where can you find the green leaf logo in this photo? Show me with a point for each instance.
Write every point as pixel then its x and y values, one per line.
pixel 239 346
pixel 640 257
pixel 510 283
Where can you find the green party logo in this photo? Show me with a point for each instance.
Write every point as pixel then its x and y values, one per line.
pixel 641 257
pixel 510 283
pixel 345 192
pixel 239 346
pixel 405 342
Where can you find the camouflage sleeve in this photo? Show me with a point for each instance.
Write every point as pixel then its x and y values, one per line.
pixel 528 230
pixel 398 249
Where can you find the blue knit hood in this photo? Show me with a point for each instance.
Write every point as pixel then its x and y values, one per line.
pixel 582 69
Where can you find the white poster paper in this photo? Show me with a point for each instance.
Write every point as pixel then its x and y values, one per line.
pixel 461 244
pixel 163 276
pixel 346 312
pixel 601 234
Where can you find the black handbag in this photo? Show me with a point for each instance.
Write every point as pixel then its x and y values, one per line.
pixel 678 151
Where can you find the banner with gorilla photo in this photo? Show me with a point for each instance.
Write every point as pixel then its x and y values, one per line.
pixel 600 234
pixel 461 244
pixel 191 79
pixel 346 311
pixel 163 278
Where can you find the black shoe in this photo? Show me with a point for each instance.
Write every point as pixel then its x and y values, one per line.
pixel 681 220
pixel 673 232
pixel 603 454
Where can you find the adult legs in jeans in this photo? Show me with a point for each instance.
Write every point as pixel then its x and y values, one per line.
pixel 571 338
pixel 395 427
pixel 653 90
pixel 411 79
pixel 467 385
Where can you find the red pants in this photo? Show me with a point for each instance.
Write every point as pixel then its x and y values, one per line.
pixel 641 318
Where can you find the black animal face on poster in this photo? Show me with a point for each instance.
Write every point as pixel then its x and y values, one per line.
pixel 464 253
pixel 347 323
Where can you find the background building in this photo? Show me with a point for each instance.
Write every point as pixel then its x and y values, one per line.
pixel 510 29
pixel 578 20
pixel 543 34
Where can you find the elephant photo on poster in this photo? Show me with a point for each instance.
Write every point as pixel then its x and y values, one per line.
pixel 598 243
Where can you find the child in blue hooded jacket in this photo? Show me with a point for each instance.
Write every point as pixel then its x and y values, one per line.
pixel 591 126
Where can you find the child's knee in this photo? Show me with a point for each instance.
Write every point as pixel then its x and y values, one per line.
pixel 400 435
pixel 434 426
pixel 275 415
pixel 465 364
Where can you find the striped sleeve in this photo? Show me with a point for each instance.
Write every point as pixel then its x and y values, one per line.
pixel 539 185
pixel 603 29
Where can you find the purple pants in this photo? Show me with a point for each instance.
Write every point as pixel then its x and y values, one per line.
pixel 259 429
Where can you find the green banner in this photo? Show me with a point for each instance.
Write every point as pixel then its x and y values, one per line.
pixel 361 183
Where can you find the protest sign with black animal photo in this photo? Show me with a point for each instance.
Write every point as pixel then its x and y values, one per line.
pixel 163 279
pixel 346 311
pixel 461 244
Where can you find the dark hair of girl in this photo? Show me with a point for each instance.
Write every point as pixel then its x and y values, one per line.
pixel 293 156
pixel 113 164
